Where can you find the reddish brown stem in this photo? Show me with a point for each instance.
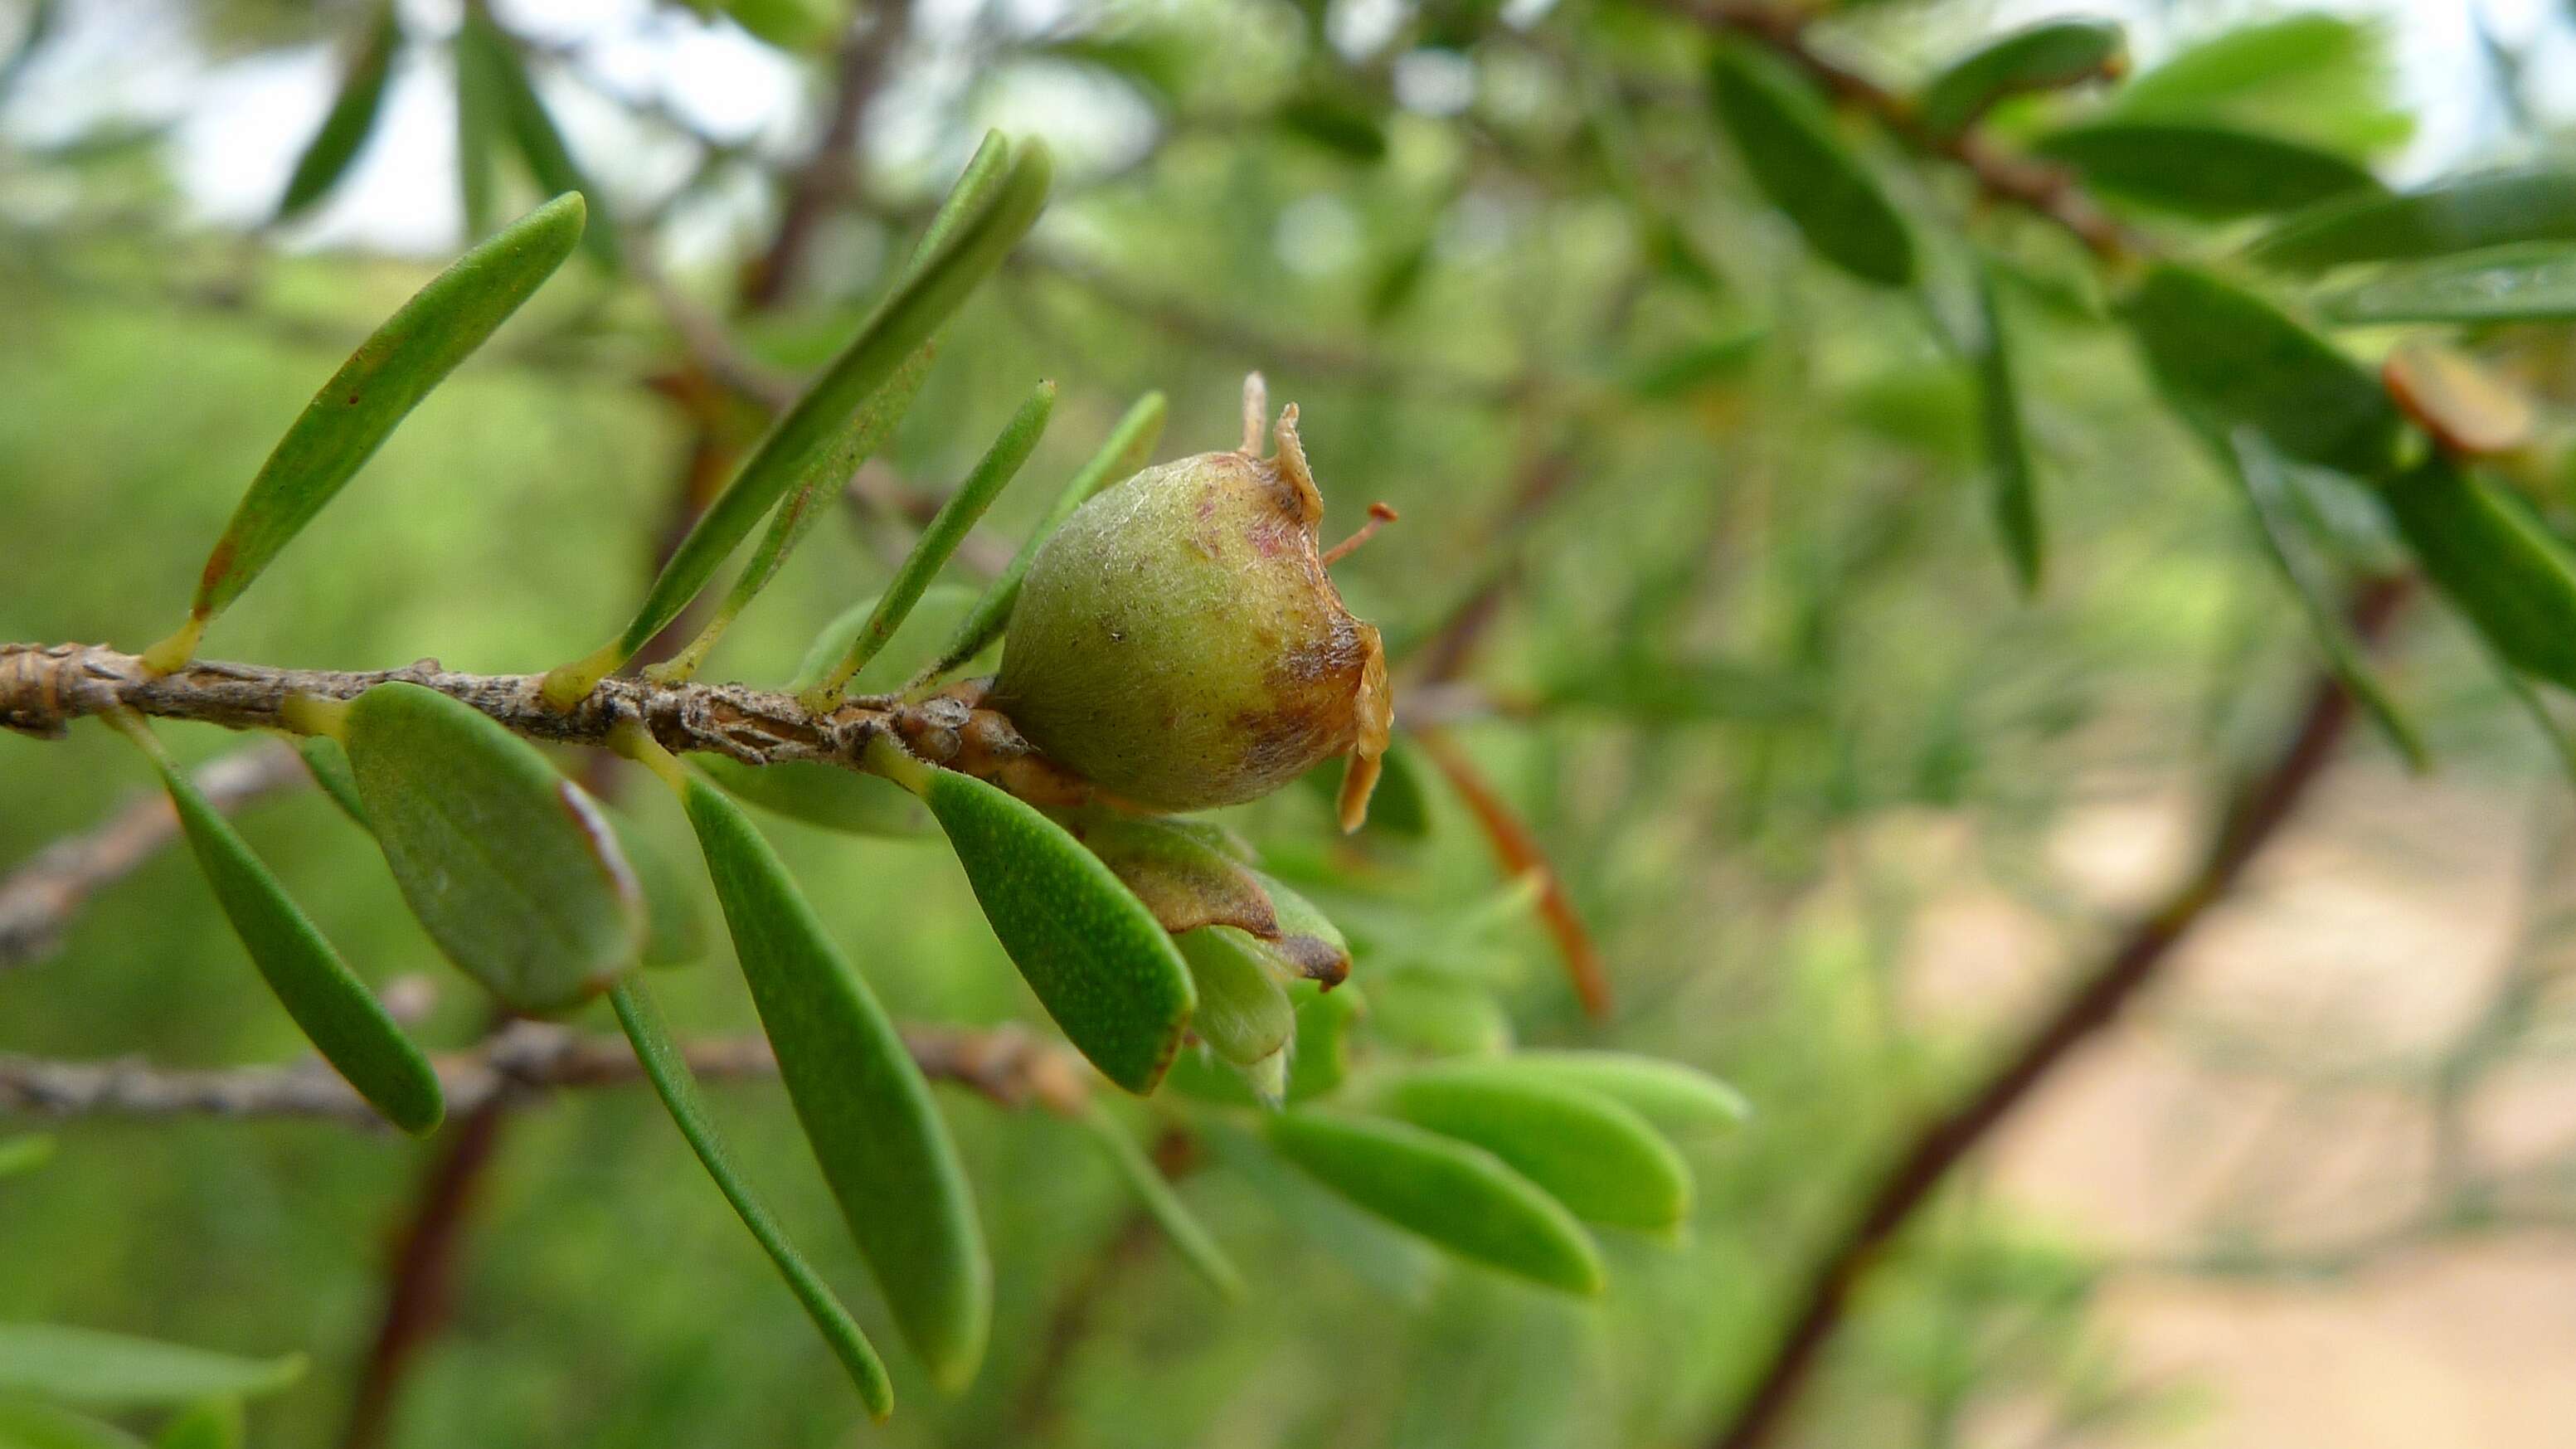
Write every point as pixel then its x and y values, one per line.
pixel 2048 191
pixel 417 1291
pixel 2254 815
pixel 1521 855
pixel 1380 514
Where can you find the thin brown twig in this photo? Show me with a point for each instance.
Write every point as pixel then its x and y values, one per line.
pixel 1521 855
pixel 829 176
pixel 2045 190
pixel 523 1061
pixel 2254 815
pixel 39 899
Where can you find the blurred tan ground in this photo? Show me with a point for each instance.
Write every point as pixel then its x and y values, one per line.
pixel 2251 1093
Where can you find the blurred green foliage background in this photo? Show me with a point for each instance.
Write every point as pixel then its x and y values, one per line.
pixel 1762 685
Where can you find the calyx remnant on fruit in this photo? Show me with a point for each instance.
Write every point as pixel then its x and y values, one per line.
pixel 1178 644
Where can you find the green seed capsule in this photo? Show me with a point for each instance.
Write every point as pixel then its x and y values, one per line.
pixel 1178 644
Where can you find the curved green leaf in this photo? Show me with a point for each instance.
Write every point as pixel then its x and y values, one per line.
pixel 863 1102
pixel 1788 143
pixel 2460 214
pixel 1196 1245
pixel 1097 959
pixel 939 540
pixel 1339 122
pixel 2228 359
pixel 330 1005
pixel 668 1071
pixel 25 1153
pixel 2045 57
pixel 351 119
pixel 1243 1013
pixel 1680 1100
pixel 1595 1155
pixel 510 867
pixel 905 320
pixel 372 393
pixel 1458 1196
pixel 27 1424
pixel 523 117
pixel 2513 579
pixel 214 1424
pixel 1124 451
pixel 2531 282
pixel 2258 470
pixel 817 489
pixel 88 1366
pixel 2206 171
pixel 2015 488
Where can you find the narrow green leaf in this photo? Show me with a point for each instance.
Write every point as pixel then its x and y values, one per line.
pixel 2259 471
pixel 2497 563
pixel 2015 488
pixel 372 393
pixel 2531 282
pixel 28 1424
pixel 1595 1155
pixel 330 1005
pixel 1097 959
pixel 1123 452
pixel 816 490
pixel 2228 359
pixel 2211 172
pixel 1243 1012
pixel 668 1071
pixel 939 541
pixel 1788 143
pixel 1679 1100
pixel 901 323
pixel 1186 881
pixel 25 1153
pixel 510 867
pixel 2458 214
pixel 88 1366
pixel 1460 1197
pixel 841 452
pixel 1196 1245
pixel 2045 57
pixel 863 1102
pixel 351 119
pixel 524 118
pixel 328 763
pixel 478 134
pixel 214 1424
